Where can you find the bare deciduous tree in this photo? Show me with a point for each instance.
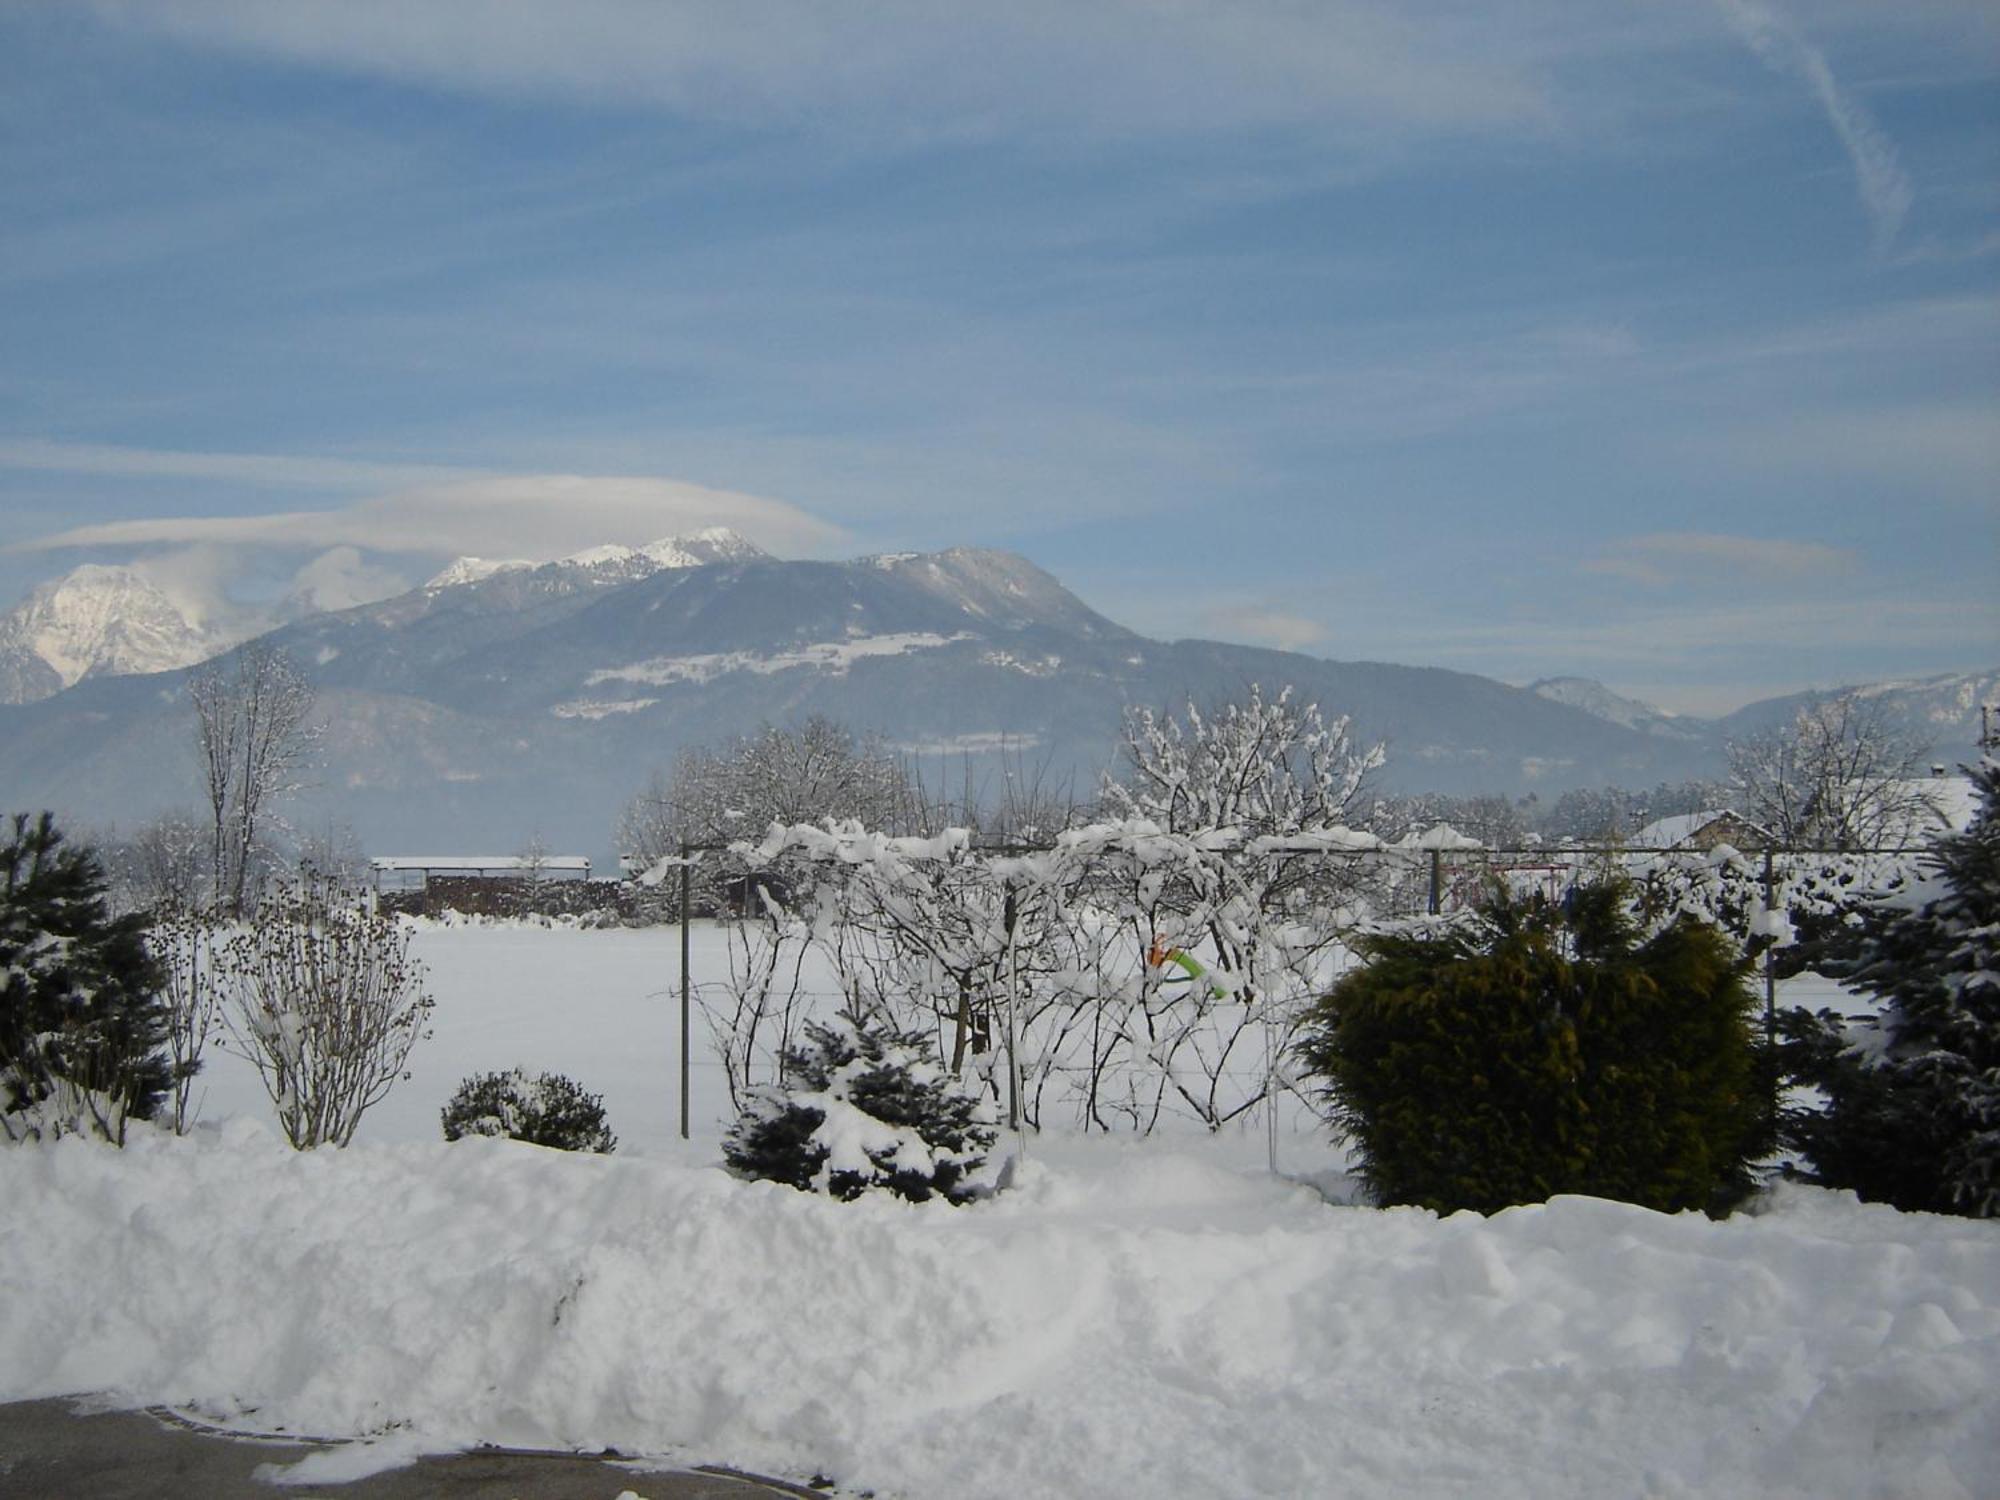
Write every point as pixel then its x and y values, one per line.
pixel 1839 777
pixel 165 863
pixel 186 944
pixel 804 774
pixel 324 1000
pixel 254 730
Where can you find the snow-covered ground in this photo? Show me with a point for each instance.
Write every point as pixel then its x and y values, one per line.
pixel 1130 1318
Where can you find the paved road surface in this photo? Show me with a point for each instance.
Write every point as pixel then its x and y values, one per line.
pixel 49 1450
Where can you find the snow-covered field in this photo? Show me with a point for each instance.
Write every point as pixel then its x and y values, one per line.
pixel 1161 1319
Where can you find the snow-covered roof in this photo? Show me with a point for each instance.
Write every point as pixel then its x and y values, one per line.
pixel 1949 803
pixel 1440 836
pixel 1666 833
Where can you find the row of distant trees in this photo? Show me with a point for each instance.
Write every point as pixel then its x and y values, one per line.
pixel 1838 776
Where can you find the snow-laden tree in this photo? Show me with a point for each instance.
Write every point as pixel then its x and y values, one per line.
pixel 805 773
pixel 1808 907
pixel 324 1000
pixel 256 736
pixel 1261 767
pixel 925 929
pixel 82 1031
pixel 1840 776
pixel 1913 1095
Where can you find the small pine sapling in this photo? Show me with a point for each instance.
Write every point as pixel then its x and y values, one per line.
pixel 865 1105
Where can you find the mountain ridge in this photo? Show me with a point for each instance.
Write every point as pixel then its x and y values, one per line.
pixel 534 701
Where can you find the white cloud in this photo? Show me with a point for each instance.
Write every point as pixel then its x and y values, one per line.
pixel 537 516
pixel 340 578
pixel 1885 189
pixel 1265 627
pixel 196 579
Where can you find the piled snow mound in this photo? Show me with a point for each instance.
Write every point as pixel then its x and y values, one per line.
pixel 1126 1322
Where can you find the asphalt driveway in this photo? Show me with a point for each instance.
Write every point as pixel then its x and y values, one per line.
pixel 59 1450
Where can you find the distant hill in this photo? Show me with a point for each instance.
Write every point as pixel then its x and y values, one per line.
pixel 503 702
pixel 1941 713
pixel 1597 700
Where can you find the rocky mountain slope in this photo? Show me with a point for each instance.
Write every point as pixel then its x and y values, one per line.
pixel 97 621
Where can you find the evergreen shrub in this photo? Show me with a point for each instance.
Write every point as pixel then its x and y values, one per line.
pixel 83 1031
pixel 1546 1050
pixel 864 1106
pixel 1912 1093
pixel 546 1110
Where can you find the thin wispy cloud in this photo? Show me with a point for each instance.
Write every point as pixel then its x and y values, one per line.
pixel 904 67
pixel 1945 449
pixel 1676 559
pixel 272 470
pixel 538 516
pixel 1886 193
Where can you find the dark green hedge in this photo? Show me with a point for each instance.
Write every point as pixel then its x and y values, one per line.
pixel 1548 1051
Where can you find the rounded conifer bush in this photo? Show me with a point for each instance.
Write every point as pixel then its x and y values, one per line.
pixel 865 1106
pixel 1546 1050
pixel 546 1110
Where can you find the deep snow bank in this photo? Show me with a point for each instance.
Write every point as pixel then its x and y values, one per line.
pixel 1129 1321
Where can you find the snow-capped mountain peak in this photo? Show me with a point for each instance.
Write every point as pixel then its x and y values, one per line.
pixel 93 621
pixel 696 549
pixel 613 562
pixel 474 570
pixel 1600 702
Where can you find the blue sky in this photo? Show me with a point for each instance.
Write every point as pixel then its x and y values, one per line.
pixel 1658 343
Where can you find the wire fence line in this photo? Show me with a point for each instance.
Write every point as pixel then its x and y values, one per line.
pixel 1118 978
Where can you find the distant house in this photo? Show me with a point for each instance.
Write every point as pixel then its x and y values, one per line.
pixel 416 872
pixel 1702 832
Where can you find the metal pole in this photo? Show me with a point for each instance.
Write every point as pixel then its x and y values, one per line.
pixel 686 908
pixel 1770 947
pixel 1013 1037
pixel 1271 1090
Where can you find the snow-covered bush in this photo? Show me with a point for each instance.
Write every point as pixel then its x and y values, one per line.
pixel 82 1031
pixel 324 1000
pixel 1146 965
pixel 546 1110
pixel 1810 909
pixel 1544 1049
pixel 1913 1093
pixel 864 1105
